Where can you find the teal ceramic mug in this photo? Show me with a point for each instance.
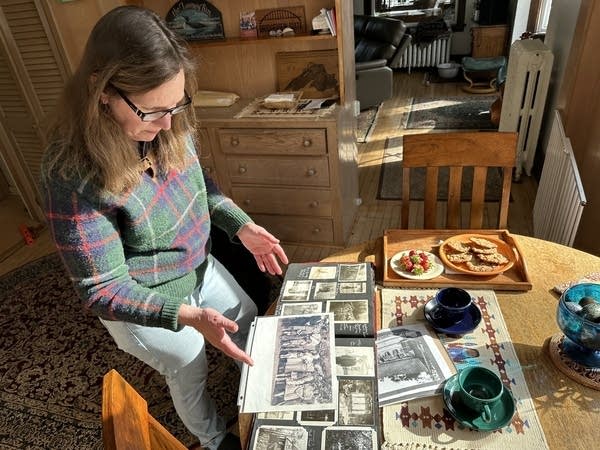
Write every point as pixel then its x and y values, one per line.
pixel 479 390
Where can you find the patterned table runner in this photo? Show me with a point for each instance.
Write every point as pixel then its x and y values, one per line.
pixel 425 423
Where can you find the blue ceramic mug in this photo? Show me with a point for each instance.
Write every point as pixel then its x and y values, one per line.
pixel 452 305
pixel 479 390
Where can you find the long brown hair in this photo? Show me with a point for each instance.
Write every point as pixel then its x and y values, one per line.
pixel 132 49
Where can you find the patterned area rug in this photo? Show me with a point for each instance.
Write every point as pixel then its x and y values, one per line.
pixel 452 113
pixel 365 124
pixel 426 423
pixel 390 178
pixel 52 360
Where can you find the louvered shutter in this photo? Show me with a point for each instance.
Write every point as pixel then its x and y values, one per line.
pixel 32 74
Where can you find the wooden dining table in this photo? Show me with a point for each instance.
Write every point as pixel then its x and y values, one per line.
pixel 568 411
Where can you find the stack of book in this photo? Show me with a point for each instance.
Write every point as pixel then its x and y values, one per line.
pixel 329 14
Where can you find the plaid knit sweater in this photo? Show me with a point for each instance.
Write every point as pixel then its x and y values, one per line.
pixel 136 257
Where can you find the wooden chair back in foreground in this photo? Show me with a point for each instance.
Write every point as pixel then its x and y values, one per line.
pixel 456 151
pixel 126 422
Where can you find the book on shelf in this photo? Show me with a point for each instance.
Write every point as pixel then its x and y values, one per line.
pixel 345 289
pixel 294 364
pixel 329 14
pixel 411 363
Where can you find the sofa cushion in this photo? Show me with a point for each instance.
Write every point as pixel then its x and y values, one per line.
pixel 376 37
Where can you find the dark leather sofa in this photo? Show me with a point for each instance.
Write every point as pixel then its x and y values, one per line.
pixel 378 42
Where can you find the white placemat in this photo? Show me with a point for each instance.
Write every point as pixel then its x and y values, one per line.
pixel 425 423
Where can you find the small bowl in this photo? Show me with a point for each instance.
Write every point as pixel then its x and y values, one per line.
pixel 448 70
pixel 580 323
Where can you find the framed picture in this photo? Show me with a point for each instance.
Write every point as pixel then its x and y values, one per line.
pixel 196 20
pixel 248 24
pixel 314 72
pixel 275 20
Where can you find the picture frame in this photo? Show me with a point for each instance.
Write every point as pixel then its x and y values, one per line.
pixel 196 20
pixel 276 19
pixel 313 72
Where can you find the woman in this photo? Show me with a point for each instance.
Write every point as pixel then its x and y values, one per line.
pixel 130 211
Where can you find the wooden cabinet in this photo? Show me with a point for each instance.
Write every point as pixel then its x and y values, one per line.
pixel 296 177
pixel 489 41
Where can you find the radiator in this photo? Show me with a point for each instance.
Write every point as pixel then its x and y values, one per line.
pixel 524 98
pixel 430 55
pixel 560 197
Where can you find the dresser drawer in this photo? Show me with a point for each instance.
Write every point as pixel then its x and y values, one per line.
pixel 285 141
pixel 297 229
pixel 279 171
pixel 304 202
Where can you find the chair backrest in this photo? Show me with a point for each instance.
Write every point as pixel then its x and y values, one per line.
pixel 126 422
pixel 456 151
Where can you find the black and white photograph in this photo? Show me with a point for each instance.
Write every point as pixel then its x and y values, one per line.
pixel 354 361
pixel 323 273
pixel 357 404
pixel 295 309
pixel 294 364
pixel 325 291
pixel 280 438
pixel 353 272
pixel 349 311
pixel 349 438
pixel 296 290
pixel 347 288
pixel 321 418
pixel 409 364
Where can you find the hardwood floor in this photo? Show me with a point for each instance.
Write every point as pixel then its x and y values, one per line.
pixel 373 217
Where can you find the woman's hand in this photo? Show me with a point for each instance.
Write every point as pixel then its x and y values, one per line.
pixel 264 247
pixel 214 327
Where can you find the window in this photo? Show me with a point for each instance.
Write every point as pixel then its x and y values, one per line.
pixel 543 16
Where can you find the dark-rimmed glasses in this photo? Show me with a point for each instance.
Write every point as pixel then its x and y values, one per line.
pixel 155 115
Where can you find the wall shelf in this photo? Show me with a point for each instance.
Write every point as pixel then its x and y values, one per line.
pixel 261 40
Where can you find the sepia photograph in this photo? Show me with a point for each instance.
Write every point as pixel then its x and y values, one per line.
pixel 324 291
pixel 357 405
pixel 349 438
pixel 296 290
pixel 296 309
pixel 409 364
pixel 349 311
pixel 353 272
pixel 323 273
pixel 280 438
pixel 352 288
pixel 276 415
pixel 355 361
pixel 294 364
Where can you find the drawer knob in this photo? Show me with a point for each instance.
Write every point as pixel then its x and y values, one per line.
pixel 242 169
pixel 307 142
pixel 208 169
pixel 316 230
pixel 313 204
pixel 247 201
pixel 311 172
pixel 235 142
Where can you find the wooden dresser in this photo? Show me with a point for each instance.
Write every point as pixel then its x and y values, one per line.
pixel 489 40
pixel 296 177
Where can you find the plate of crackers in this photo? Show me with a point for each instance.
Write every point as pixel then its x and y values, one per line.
pixel 477 254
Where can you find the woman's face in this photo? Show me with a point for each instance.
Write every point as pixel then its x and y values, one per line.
pixel 167 95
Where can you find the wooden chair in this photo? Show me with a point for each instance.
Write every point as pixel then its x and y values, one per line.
pixel 126 422
pixel 456 151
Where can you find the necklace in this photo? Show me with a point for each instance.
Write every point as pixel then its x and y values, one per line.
pixel 145 161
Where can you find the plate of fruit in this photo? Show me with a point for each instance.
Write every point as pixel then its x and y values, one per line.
pixel 416 265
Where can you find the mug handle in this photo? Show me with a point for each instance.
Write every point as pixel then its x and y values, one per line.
pixel 486 414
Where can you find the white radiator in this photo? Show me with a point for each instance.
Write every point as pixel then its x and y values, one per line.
pixel 560 197
pixel 527 79
pixel 430 55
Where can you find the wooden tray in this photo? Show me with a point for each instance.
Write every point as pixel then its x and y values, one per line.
pixel 515 279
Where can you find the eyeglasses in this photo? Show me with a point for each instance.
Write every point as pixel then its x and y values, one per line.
pixel 155 115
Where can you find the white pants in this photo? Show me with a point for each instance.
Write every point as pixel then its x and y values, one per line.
pixel 180 357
